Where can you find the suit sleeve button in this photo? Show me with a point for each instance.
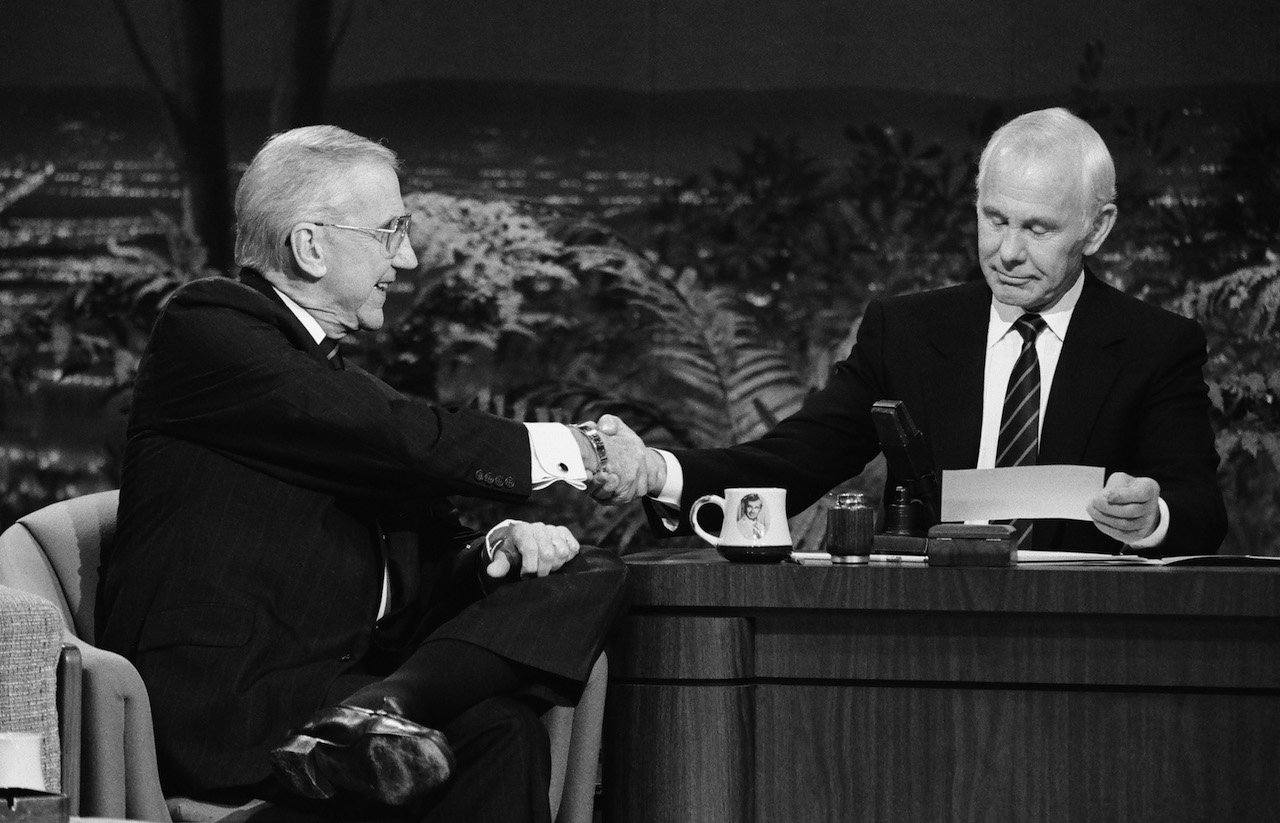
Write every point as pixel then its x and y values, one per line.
pixel 488 478
pixel 479 475
pixel 509 482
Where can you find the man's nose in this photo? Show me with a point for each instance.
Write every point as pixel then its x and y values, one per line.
pixel 1013 249
pixel 405 257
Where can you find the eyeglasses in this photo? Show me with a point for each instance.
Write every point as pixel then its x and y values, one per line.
pixel 389 238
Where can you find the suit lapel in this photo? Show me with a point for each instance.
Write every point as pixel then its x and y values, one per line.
pixel 952 382
pixel 1087 368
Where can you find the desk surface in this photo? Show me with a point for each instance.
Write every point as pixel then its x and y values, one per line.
pixel 701 578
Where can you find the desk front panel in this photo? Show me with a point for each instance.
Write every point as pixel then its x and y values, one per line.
pixel 1119 707
pixel 906 753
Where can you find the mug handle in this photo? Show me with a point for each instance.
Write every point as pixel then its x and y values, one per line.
pixel 713 499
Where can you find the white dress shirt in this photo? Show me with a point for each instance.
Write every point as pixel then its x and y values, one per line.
pixel 1003 347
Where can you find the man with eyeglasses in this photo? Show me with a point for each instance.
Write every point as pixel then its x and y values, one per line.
pixel 309 615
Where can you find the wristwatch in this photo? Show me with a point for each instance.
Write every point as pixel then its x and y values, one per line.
pixel 597 442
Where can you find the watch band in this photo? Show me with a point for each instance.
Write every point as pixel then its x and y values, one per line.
pixel 597 442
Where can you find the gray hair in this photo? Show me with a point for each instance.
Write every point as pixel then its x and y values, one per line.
pixel 1049 130
pixel 296 176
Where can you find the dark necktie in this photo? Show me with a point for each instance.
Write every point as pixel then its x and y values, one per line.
pixel 332 352
pixel 1019 440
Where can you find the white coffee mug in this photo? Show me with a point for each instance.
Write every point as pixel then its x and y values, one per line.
pixel 755 524
pixel 20 761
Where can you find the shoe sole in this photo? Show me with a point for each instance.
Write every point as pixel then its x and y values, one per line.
pixel 392 769
pixel 397 770
pixel 295 765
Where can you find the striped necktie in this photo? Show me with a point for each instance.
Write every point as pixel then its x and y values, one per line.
pixel 332 352
pixel 1019 440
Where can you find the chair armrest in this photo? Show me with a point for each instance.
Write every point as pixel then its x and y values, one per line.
pixel 119 773
pixel 30 643
pixel 70 716
pixel 575 748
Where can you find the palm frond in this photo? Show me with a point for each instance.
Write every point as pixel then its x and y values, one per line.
pixel 708 351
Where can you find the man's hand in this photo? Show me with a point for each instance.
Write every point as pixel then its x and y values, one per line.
pixel 634 470
pixel 1127 507
pixel 541 549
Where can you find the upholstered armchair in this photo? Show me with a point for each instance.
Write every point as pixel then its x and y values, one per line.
pixel 106 732
pixel 30 648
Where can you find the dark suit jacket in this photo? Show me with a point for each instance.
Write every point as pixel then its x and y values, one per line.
pixel 261 492
pixel 1128 395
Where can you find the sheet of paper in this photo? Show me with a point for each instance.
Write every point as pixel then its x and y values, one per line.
pixel 1085 558
pixel 1019 492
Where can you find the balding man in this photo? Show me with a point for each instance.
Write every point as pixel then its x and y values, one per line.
pixel 1038 362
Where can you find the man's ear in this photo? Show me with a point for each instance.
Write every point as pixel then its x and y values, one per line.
pixel 308 253
pixel 1101 227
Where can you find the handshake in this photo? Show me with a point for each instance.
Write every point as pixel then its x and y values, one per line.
pixel 622 467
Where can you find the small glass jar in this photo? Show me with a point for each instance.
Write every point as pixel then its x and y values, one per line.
pixel 850 528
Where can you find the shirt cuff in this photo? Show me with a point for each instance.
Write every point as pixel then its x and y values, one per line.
pixel 554 456
pixel 495 536
pixel 674 487
pixel 669 496
pixel 1156 537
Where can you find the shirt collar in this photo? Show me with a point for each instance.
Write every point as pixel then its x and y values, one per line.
pixel 1056 319
pixel 310 323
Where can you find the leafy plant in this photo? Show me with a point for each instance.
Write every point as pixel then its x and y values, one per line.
pixel 909 209
pixel 769 227
pixel 756 226
pixel 1241 316
pixel 490 274
pixel 807 244
pixel 725 382
pixel 103 322
pixel 99 327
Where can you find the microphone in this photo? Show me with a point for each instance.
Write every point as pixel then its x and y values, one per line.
pixel 909 458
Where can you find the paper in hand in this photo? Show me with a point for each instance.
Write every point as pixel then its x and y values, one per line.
pixel 1020 492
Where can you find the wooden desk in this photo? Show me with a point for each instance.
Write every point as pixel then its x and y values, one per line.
pixel 908 693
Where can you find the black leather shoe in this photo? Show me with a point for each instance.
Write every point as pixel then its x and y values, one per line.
pixel 379 755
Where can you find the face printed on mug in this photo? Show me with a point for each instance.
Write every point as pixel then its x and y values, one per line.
pixel 752 522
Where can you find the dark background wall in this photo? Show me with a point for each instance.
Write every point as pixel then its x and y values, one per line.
pixel 983 48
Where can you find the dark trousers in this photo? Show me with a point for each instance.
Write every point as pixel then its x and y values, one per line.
pixel 466 680
pixel 504 766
